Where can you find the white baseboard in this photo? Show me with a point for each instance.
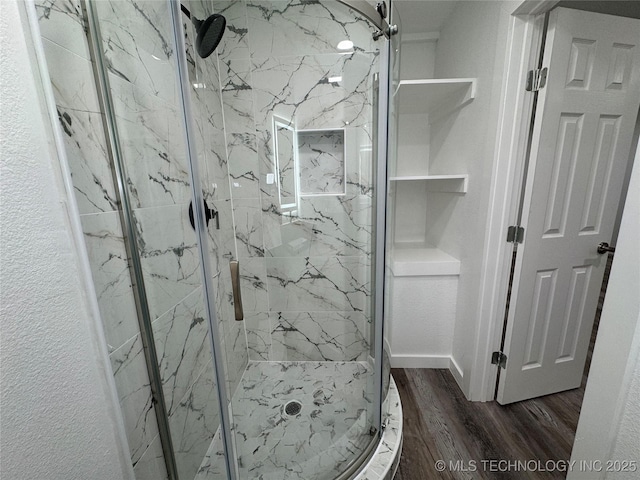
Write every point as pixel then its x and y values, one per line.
pixel 456 371
pixel 420 361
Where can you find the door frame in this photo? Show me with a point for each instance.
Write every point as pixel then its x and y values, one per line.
pixel 524 44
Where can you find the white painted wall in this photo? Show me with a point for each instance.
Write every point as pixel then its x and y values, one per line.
pixel 609 425
pixel 58 417
pixel 471 44
pixel 423 317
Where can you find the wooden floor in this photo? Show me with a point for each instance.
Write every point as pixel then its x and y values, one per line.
pixel 440 424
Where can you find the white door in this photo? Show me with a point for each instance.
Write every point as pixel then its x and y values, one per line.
pixel 580 150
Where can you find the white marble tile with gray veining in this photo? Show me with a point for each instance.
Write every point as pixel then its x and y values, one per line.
pixel 329 427
pixel 221 236
pixel 342 225
pixel 62 22
pixel 248 223
pixel 284 234
pixel 321 159
pixel 253 282
pixel 169 255
pixel 318 283
pixel 279 28
pixel 194 423
pixel 138 410
pixel 82 129
pixel 137 40
pixel 234 43
pixel 153 147
pixel 213 467
pixel 182 347
pixel 319 336
pixel 243 165
pixel 72 79
pixel 314 91
pixel 111 277
pixel 258 328
pixel 151 465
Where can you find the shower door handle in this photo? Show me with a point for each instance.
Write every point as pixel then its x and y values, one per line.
pixel 234 265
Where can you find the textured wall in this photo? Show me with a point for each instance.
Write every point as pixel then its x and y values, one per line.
pixel 610 414
pixel 55 409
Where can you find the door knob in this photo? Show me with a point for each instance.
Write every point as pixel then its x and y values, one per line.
pixel 603 247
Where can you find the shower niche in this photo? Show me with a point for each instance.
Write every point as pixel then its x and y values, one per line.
pixel 321 160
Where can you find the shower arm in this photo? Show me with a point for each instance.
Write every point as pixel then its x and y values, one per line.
pixel 374 14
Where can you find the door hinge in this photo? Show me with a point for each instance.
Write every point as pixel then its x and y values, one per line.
pixel 515 234
pixel 499 358
pixel 536 79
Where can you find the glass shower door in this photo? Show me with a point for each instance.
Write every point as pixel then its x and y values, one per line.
pixel 297 87
pixel 162 197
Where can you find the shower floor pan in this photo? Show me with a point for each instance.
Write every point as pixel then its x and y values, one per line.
pixel 315 443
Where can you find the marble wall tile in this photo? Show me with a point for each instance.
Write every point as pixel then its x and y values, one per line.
pixel 284 235
pixel 314 91
pixel 153 146
pixel 83 133
pixel 71 78
pixel 253 282
pixel 194 423
pixel 132 382
pixel 342 225
pixel 230 332
pixel 235 43
pixel 318 283
pixel 298 89
pixel 151 465
pixel 237 95
pixel 321 336
pixel 222 242
pixel 111 277
pixel 213 466
pixel 247 215
pixel 258 327
pixel 236 353
pixel 182 346
pixel 279 28
pixel 62 22
pixel 243 165
pixel 169 255
pixel 237 98
pixel 138 44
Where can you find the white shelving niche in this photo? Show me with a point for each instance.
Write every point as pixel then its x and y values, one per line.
pixel 424 101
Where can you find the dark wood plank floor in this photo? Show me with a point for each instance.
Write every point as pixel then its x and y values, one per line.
pixel 440 424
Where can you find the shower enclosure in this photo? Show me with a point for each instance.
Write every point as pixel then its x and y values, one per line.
pixel 233 211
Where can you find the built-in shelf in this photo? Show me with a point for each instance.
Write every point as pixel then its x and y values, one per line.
pixel 411 260
pixel 438 183
pixel 435 96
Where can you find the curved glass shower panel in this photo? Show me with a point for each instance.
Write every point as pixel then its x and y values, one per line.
pixel 137 41
pixel 298 82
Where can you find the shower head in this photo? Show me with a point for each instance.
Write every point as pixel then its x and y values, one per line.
pixel 208 32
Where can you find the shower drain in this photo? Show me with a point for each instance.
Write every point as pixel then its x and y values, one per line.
pixel 292 408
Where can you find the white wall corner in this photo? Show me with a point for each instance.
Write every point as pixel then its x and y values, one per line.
pixel 604 420
pixel 60 414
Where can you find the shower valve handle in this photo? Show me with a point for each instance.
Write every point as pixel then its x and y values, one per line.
pixel 209 214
